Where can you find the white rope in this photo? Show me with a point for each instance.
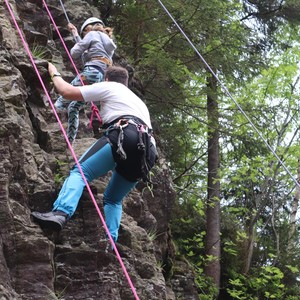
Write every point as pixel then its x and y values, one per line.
pixel 63 8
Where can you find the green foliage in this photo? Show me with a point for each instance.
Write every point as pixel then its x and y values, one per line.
pixel 208 290
pixel 255 53
pixel 255 186
pixel 266 283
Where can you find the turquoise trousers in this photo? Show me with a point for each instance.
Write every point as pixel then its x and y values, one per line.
pixel 96 162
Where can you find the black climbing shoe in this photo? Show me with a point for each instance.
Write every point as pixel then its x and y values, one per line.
pixel 54 220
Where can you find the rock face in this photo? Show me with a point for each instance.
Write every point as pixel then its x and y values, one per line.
pixel 72 264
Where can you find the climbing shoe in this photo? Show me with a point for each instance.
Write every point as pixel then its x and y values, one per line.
pixel 54 220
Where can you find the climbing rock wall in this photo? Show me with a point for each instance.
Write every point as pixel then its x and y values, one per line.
pixel 34 160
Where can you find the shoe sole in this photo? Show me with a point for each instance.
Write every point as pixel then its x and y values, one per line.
pixel 47 224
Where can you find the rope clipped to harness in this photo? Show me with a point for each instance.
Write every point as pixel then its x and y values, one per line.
pixel 95 112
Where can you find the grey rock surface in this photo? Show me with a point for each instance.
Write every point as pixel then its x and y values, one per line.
pixel 34 160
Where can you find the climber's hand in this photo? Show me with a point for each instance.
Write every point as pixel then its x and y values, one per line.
pixel 72 29
pixel 51 69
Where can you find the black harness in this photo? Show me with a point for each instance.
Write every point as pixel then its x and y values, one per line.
pixel 145 148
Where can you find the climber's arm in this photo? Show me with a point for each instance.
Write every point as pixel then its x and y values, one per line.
pixel 68 91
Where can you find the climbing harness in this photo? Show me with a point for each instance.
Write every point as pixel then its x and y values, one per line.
pixel 143 145
pixel 102 59
pixel 229 94
pixel 70 147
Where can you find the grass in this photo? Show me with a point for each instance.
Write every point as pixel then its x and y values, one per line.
pixel 38 51
pixel 152 234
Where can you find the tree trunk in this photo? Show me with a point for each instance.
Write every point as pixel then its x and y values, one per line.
pixel 293 214
pixel 212 245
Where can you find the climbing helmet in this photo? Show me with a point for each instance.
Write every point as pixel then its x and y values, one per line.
pixel 90 21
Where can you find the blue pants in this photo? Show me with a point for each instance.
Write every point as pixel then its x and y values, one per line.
pixel 96 162
pixel 89 75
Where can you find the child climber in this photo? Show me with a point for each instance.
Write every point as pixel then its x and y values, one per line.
pixel 96 49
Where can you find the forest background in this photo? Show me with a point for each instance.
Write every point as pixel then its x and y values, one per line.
pixel 232 140
pixel 236 217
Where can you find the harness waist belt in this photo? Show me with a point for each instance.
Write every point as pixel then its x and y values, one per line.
pixel 132 120
pixel 140 127
pixel 102 59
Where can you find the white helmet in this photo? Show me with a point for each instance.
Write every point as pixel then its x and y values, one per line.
pixel 90 21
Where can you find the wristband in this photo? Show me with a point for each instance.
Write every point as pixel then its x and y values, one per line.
pixel 55 74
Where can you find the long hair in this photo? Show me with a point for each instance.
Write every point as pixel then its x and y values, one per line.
pixel 108 30
pixel 117 74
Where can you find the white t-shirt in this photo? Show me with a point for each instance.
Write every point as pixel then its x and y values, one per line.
pixel 116 100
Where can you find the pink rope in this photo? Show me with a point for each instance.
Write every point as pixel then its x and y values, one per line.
pixel 71 149
pixel 94 107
